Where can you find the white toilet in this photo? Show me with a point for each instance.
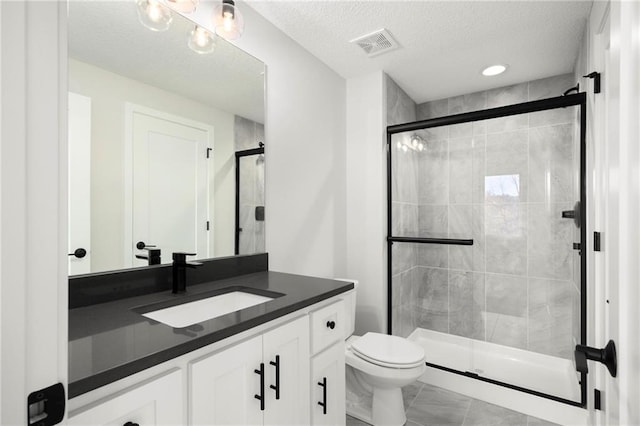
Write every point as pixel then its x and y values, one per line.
pixel 377 367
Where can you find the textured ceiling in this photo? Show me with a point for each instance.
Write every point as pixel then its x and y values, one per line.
pixel 444 45
pixel 107 34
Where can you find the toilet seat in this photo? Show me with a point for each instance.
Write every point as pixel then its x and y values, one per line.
pixel 388 351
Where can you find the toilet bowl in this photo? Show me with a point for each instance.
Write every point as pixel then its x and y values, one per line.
pixel 378 366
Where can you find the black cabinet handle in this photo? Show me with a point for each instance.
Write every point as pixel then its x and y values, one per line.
pixel 276 364
pixel 261 396
pixel 331 324
pixel 606 356
pixel 79 253
pixel 323 404
pixel 131 424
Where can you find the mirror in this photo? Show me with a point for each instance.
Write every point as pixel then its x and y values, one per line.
pixel 154 128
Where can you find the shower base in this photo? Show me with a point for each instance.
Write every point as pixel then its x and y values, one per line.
pixel 529 370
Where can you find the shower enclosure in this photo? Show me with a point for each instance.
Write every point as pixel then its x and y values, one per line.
pixel 249 235
pixel 485 232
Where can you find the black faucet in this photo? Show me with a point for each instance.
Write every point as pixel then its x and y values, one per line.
pixel 180 266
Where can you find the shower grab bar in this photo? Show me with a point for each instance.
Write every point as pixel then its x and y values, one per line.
pixel 451 241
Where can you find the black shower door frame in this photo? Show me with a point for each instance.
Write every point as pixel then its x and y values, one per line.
pixel 578 99
pixel 239 155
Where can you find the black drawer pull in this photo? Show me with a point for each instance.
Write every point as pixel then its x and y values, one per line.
pixel 323 404
pixel 261 396
pixel 331 324
pixel 276 388
pixel 131 424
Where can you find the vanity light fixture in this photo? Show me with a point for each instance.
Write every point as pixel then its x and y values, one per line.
pixel 201 41
pixel 228 20
pixel 154 15
pixel 183 6
pixel 415 143
pixel 494 70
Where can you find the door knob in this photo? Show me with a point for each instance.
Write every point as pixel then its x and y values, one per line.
pixel 606 356
pixel 140 245
pixel 79 253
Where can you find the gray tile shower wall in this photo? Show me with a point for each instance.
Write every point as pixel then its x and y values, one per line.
pixel 503 182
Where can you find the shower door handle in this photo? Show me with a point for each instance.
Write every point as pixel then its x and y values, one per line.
pixel 606 356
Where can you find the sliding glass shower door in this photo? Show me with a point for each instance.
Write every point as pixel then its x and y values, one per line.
pixel 485 239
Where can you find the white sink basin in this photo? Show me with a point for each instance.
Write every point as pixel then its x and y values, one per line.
pixel 205 309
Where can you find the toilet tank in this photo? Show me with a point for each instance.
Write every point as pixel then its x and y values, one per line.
pixel 349 299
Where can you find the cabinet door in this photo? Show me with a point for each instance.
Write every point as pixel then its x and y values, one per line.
pixel 328 387
pixel 286 358
pixel 155 402
pixel 224 385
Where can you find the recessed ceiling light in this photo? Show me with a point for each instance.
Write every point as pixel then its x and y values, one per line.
pixel 494 70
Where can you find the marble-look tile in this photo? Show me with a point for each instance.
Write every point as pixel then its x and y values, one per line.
pixel 507 95
pixel 433 221
pixel 460 170
pixel 506 295
pixel 260 132
pixel 479 238
pixel 550 317
pixel 551 164
pixel 405 175
pixel 550 242
pixel 461 224
pixel 404 219
pixel 469 102
pixel 549 117
pixel 432 299
pixel 550 87
pixel 403 257
pixel 506 170
pixel 352 421
pixel 435 406
pixel 482 413
pixel 247 180
pixel 534 421
pixel 410 392
pixel 506 330
pixel 247 241
pixel 433 109
pixel 244 132
pixel 462 130
pixel 435 255
pixel 433 173
pixel 400 107
pixel 478 168
pixel 507 124
pixel 467 304
pixel 506 238
pixel 403 321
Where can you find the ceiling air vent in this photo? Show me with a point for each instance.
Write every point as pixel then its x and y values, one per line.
pixel 376 43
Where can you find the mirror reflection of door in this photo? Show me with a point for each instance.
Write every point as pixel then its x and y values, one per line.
pixel 250 202
pixel 79 184
pixel 169 185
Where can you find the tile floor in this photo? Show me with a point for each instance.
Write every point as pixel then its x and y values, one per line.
pixel 431 406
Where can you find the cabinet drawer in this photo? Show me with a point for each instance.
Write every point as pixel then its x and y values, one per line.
pixel 327 326
pixel 157 401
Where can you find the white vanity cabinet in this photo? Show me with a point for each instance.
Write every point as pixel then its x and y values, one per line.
pixel 157 401
pixel 262 380
pixel 327 364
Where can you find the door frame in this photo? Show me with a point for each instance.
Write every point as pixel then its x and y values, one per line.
pixel 130 110
pixel 239 155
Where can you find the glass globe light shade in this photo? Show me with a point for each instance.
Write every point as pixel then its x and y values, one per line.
pixel 154 15
pixel 201 41
pixel 183 6
pixel 228 20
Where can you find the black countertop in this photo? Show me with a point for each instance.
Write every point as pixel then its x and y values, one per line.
pixel 110 341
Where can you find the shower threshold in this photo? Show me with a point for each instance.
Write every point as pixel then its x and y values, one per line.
pixel 541 373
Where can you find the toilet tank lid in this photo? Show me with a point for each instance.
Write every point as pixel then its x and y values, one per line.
pixel 388 349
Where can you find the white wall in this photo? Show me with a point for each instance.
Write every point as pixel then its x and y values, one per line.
pixel 109 92
pixel 304 151
pixel 366 198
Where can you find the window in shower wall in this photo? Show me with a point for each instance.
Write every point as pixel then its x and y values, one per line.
pixel 485 267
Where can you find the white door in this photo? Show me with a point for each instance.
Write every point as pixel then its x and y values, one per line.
pixel 328 387
pixel 170 185
pixel 79 184
pixel 224 386
pixel 157 402
pixel 286 359
pixel 617 55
